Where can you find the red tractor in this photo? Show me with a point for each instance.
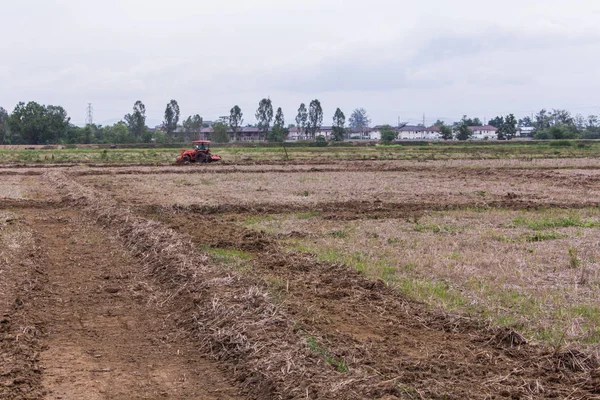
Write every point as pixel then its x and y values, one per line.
pixel 201 154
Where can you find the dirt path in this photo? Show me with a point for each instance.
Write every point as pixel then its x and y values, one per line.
pixel 106 336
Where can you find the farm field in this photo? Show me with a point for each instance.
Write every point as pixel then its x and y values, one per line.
pixel 331 277
pixel 305 153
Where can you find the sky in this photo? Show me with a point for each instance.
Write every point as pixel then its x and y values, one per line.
pixel 397 59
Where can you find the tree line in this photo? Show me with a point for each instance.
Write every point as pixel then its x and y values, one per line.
pixel 33 123
pixel 545 125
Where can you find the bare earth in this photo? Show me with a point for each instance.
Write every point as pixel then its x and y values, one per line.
pixel 95 302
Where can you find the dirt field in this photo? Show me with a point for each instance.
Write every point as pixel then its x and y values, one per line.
pixel 340 280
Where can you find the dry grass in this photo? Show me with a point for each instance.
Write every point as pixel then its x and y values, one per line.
pixel 15 240
pixel 536 271
pixel 17 187
pixel 233 316
pixel 434 187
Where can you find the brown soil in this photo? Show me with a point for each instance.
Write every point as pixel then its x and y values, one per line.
pixel 410 351
pixel 105 307
pixel 94 328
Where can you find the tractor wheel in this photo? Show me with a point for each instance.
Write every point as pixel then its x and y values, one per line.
pixel 186 159
pixel 201 157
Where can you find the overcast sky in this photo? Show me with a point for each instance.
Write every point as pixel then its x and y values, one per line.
pixel 395 58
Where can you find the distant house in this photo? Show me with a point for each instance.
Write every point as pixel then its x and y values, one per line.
pixel 295 134
pixel 245 134
pixel 418 132
pixel 432 133
pixel 364 133
pixel 375 134
pixel 326 131
pixel 525 131
pixel 486 132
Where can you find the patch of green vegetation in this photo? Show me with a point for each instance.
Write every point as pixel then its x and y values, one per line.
pixel 574 260
pixel 592 336
pixel 541 236
pixel 433 227
pixel 363 264
pixel 561 143
pixel 339 234
pixel 589 312
pixel 436 292
pixel 313 345
pixel 502 238
pixel 308 214
pixel 540 223
pixel 257 219
pixel 237 259
pixel 388 273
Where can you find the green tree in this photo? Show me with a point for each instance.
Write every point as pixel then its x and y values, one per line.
pixel 219 133
pixel 359 119
pixel 438 123
pixel 462 129
pixel 315 117
pixel 496 122
pixel 235 121
pixel 321 141
pixel 302 118
pixel 446 132
pixel 35 124
pixel 279 131
pixel 3 126
pixel 264 116
pixel 508 129
pixel 469 121
pixel 117 134
pixel 74 135
pixel 526 122
pixel 542 120
pixel 388 134
pixel 121 133
pixel 559 131
pixel 339 126
pixel 562 117
pixel 159 137
pixel 171 118
pixel 137 120
pixel 192 125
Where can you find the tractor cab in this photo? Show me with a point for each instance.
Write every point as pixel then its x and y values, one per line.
pixel 202 145
pixel 200 153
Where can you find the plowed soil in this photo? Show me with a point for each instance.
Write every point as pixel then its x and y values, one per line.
pixel 416 353
pixel 85 317
pixel 93 328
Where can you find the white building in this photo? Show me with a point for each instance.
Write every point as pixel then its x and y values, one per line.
pixel 295 134
pixel 486 132
pixel 525 131
pixel 418 132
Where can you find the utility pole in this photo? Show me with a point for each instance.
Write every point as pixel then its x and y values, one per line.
pixel 423 119
pixel 89 120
